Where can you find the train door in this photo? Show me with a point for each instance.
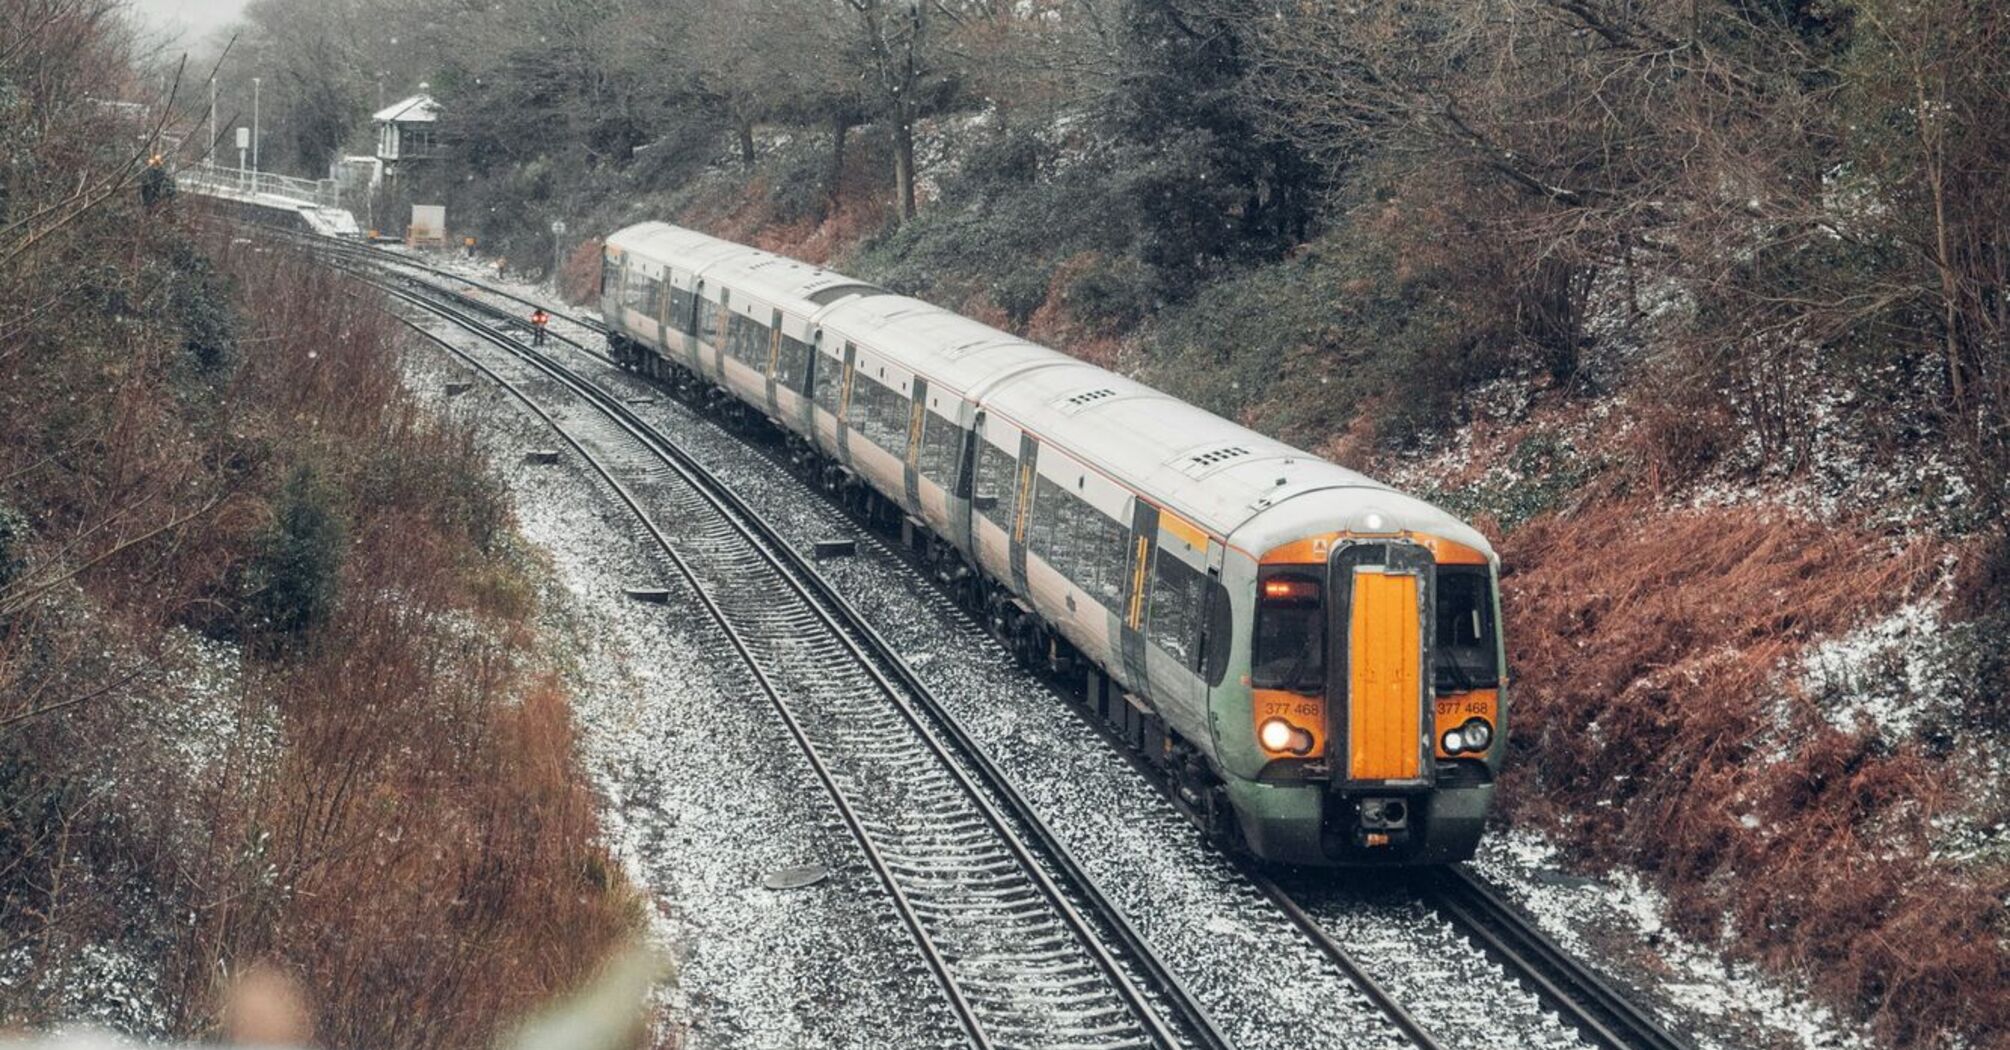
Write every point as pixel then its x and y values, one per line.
pixel 698 337
pixel 806 414
pixel 659 311
pixel 1380 703
pixel 844 402
pixel 774 364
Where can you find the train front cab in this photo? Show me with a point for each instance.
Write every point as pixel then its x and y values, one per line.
pixel 1376 702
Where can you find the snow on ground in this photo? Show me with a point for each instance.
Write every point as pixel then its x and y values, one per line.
pixel 212 721
pixel 703 794
pixel 1886 676
pixel 1616 923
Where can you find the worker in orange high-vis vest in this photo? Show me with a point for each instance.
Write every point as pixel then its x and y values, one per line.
pixel 538 320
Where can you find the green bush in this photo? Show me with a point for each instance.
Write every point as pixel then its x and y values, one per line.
pixel 798 175
pixel 1112 294
pixel 200 302
pixel 1021 292
pixel 298 568
pixel 992 222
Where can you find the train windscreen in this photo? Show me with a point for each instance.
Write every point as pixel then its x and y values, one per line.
pixel 1290 643
pixel 1465 653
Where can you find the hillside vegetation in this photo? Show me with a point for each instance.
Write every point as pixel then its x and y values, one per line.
pixel 1700 308
pixel 272 706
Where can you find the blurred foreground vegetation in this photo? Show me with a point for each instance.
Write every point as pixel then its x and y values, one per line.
pixel 272 698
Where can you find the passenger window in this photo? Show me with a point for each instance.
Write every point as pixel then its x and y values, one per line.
pixel 1044 535
pixel 996 490
pixel 641 295
pixel 708 321
pixel 792 363
pixel 879 413
pixel 1080 542
pixel 1173 619
pixel 941 440
pixel 830 374
pixel 747 340
pixel 680 310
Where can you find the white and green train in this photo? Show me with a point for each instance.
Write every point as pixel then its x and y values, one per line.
pixel 1310 657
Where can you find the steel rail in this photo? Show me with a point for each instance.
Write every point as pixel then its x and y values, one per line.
pixel 1587 1002
pixel 1400 1016
pixel 931 954
pixel 845 622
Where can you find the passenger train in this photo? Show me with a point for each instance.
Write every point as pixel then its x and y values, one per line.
pixel 1311 659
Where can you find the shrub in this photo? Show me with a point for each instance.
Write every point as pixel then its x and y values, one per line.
pixel 1013 156
pixel 1109 293
pixel 295 576
pixel 989 224
pixel 797 175
pixel 199 302
pixel 13 544
pixel 1020 293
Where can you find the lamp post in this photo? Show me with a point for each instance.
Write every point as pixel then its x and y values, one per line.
pixel 254 132
pixel 557 249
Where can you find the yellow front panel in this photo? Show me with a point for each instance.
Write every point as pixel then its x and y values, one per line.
pixel 1385 678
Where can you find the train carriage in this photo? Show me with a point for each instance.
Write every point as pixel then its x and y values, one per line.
pixel 1311 657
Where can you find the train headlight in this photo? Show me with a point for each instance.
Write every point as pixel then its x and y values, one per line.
pixel 1278 735
pixel 1475 735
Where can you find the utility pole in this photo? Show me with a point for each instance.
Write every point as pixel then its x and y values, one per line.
pixel 557 249
pixel 209 154
pixel 254 131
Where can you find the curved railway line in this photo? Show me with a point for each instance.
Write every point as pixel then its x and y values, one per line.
pixel 1020 959
pixel 1588 1003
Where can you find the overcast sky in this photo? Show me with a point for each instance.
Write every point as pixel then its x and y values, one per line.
pixel 192 18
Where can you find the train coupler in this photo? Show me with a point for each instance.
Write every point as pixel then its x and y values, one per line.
pixel 1382 823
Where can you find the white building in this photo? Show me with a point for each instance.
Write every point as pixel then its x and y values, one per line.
pixel 405 132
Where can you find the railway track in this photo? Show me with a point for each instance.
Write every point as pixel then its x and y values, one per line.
pixel 1601 1013
pixel 1586 1002
pixel 1019 953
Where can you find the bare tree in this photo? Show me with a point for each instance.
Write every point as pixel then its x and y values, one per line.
pixel 894 37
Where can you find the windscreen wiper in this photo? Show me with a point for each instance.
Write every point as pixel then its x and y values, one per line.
pixel 1462 681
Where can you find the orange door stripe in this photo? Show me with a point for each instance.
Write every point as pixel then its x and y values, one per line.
pixel 1384 712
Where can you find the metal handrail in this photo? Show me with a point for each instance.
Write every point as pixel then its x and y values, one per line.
pixel 242 182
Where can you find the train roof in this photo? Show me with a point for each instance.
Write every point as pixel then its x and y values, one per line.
pixel 775 279
pixel 1224 477
pixel 952 350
